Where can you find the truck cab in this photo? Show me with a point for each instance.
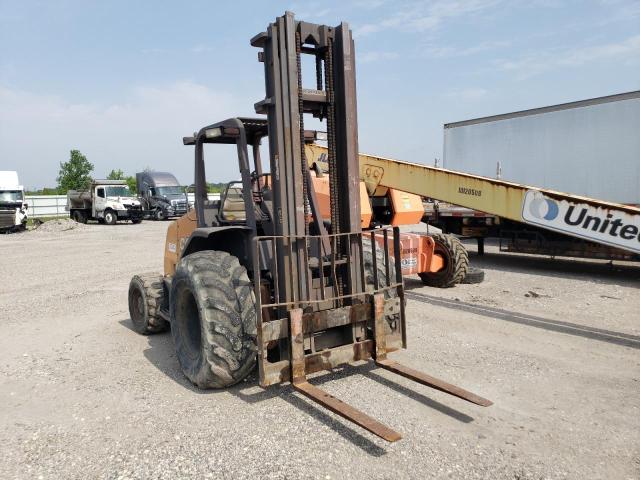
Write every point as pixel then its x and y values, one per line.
pixel 13 208
pixel 161 195
pixel 106 201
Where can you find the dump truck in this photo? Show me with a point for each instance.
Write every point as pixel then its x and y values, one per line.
pixel 589 148
pixel 161 195
pixel 262 277
pixel 106 201
pixel 13 208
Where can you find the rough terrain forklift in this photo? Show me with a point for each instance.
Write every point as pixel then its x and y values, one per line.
pixel 260 275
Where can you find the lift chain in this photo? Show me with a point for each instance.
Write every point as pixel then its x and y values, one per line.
pixel 305 185
pixel 334 193
pixel 323 111
pixel 331 141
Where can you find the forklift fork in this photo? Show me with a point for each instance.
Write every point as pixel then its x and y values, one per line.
pixel 371 338
pixel 300 383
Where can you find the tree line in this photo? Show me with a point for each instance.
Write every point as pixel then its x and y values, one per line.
pixel 76 174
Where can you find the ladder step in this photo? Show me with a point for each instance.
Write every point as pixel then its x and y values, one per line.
pixel 433 382
pixel 347 411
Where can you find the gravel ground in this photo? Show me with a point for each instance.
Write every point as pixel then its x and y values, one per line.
pixel 554 343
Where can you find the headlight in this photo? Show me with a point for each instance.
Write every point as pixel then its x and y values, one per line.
pixel 213 132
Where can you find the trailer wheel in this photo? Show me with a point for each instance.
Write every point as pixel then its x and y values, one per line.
pixel 110 217
pixel 213 319
pixel 145 298
pixel 456 262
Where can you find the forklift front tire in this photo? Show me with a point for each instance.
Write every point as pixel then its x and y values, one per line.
pixel 213 319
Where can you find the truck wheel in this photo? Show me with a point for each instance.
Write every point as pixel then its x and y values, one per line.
pixel 474 275
pixel 456 262
pixel 213 319
pixel 79 216
pixel 145 299
pixel 110 217
pixel 159 215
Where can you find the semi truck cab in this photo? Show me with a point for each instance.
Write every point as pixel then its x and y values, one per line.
pixel 13 208
pixel 161 195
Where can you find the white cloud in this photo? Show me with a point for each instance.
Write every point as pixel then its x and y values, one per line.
pixel 536 63
pixel 620 10
pixel 451 52
pixel 202 49
pixel 37 131
pixel 369 4
pixel 471 93
pixel 376 56
pixel 422 16
pixel 310 10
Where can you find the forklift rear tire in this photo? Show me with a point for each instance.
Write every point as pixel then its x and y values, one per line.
pixel 110 217
pixel 456 262
pixel 213 319
pixel 145 299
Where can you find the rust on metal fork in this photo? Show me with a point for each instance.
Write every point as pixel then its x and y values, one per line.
pixel 347 411
pixel 300 383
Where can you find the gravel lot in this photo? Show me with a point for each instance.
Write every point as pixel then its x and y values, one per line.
pixel 83 396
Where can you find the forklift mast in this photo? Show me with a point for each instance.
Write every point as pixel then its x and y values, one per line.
pixel 334 100
pixel 317 296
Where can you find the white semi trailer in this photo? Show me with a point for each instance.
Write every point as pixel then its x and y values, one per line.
pixel 589 148
pixel 13 208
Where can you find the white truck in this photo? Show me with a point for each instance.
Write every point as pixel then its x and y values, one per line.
pixel 106 201
pixel 589 148
pixel 13 208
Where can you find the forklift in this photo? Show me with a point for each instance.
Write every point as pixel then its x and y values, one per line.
pixel 261 276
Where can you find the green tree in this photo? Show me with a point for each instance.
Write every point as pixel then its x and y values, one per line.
pixel 116 175
pixel 131 183
pixel 74 174
pixel 216 187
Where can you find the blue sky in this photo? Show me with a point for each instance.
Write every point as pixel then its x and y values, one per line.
pixel 123 81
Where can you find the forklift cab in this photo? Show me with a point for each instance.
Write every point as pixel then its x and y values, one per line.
pixel 234 207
